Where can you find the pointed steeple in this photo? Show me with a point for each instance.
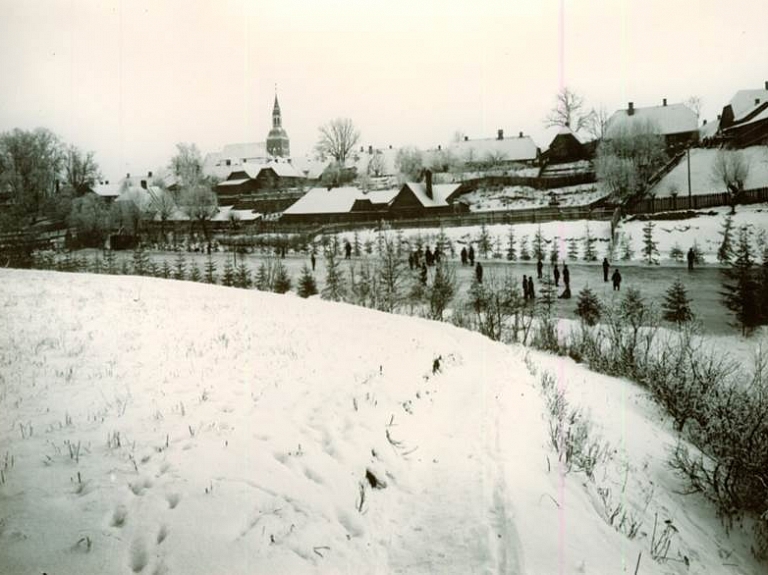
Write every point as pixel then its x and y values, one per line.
pixel 277 140
pixel 277 121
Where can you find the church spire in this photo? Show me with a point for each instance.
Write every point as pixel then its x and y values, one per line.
pixel 277 121
pixel 278 144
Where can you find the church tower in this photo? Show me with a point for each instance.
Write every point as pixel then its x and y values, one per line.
pixel 277 141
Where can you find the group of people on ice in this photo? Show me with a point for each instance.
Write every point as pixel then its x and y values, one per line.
pixel 431 258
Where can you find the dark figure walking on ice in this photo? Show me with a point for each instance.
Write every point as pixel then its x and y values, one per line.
pixel 312 260
pixel 479 272
pixel 539 268
pixel 525 287
pixel 691 259
pixel 616 278
pixel 463 256
pixel 531 292
pixel 347 250
pixel 556 273
pixel 471 255
pixel 566 275
pixel 606 267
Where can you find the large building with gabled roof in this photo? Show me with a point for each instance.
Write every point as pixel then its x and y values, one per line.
pixel 676 122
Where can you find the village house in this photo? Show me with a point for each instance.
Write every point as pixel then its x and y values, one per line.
pixel 676 122
pixel 744 120
pixel 499 151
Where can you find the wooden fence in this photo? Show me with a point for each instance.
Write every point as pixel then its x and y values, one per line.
pixel 652 205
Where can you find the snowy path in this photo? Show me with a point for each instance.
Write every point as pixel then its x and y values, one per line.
pixel 459 510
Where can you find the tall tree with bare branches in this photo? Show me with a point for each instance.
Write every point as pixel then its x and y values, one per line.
pixel 568 111
pixel 596 122
pixel 337 138
pixel 731 168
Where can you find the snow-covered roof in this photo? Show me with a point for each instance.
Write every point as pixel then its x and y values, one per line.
pixel 514 149
pixel 248 151
pixel 227 213
pixel 709 129
pixel 236 182
pixel 440 193
pixel 387 156
pixel 744 101
pixel 107 190
pixel 671 119
pixel 283 169
pixel 336 200
pixel 142 197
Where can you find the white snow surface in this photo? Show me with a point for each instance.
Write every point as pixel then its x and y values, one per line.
pixel 702 181
pixel 169 427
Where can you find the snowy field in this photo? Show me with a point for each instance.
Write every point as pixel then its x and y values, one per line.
pixel 525 197
pixel 702 181
pixel 703 229
pixel 152 426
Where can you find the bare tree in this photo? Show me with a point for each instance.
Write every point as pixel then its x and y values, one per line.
pixel 199 202
pixel 596 122
pixel 694 103
pixel 337 138
pixel 376 165
pixel 80 170
pixel 568 111
pixel 731 168
pixel 187 164
pixel 30 167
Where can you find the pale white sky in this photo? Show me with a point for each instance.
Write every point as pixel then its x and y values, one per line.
pixel 130 79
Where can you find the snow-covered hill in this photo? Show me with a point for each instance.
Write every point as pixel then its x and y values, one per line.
pixel 151 426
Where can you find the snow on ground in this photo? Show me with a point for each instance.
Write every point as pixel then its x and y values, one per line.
pixel 702 182
pixel 463 236
pixel 704 230
pixel 525 197
pixel 168 427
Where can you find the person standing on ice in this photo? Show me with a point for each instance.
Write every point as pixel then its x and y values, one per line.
pixel 606 267
pixel 312 260
pixel 463 256
pixel 471 255
pixel 539 268
pixel 531 292
pixel 616 278
pixel 566 275
pixel 556 273
pixel 691 259
pixel 525 287
pixel 479 272
pixel 347 250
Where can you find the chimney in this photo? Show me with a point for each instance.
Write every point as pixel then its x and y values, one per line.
pixel 390 146
pixel 520 135
pixel 631 109
pixel 466 138
pixel 705 122
pixel 766 84
pixel 370 149
pixel 439 147
pixel 128 175
pixel 428 182
pixel 500 135
pixel 362 149
pixel 144 184
pixel 106 183
pixel 149 174
pixel 757 101
pixel 664 102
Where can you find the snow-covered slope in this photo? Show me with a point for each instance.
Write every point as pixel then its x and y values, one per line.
pixel 152 426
